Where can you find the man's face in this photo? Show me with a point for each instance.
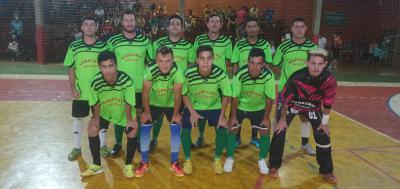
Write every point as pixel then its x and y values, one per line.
pixel 164 62
pixel 128 23
pixel 108 69
pixel 315 65
pixel 299 29
pixel 175 26
pixel 255 64
pixel 89 28
pixel 252 29
pixel 205 60
pixel 214 24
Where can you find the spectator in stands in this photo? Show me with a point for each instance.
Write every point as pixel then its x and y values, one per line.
pixel 231 24
pixel 322 42
pixel 17 26
pixel 12 49
pixel 207 12
pixel 254 12
pixel 76 34
pixel 337 46
pixel 154 23
pixel 377 54
pixel 99 13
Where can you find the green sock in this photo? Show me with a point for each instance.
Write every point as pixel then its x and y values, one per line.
pixel 202 127
pixel 157 127
pixel 231 144
pixel 220 141
pixel 119 131
pixel 186 138
pixel 264 145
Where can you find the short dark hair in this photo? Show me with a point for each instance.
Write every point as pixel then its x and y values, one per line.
pixel 106 55
pixel 88 18
pixel 203 48
pixel 127 12
pixel 299 19
pixel 164 50
pixel 177 17
pixel 256 52
pixel 215 15
pixel 251 19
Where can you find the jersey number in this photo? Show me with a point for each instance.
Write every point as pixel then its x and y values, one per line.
pixel 312 115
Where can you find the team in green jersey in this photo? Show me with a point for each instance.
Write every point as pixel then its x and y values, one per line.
pixel 165 85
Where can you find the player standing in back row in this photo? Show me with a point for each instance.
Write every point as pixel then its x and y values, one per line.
pixel 290 57
pixel 81 59
pixel 133 51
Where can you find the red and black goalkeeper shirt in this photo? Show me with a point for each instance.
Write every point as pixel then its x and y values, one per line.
pixel 304 93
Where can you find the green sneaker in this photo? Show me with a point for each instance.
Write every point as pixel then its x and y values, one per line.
pixel 74 154
pixel 104 151
pixel 92 170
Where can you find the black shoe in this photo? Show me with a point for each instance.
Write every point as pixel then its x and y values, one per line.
pixel 153 145
pixel 116 149
pixel 199 142
pixel 138 147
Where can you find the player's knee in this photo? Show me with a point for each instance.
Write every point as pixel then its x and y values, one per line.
pixel 93 131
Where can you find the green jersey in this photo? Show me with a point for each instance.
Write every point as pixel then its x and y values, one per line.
pixel 253 92
pixel 222 48
pixel 162 89
pixel 242 49
pixel 182 49
pixel 113 98
pixel 291 57
pixel 131 56
pixel 83 59
pixel 205 93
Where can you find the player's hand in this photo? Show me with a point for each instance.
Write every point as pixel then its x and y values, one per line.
pixel 233 122
pixel 280 126
pixel 75 93
pixel 194 118
pixel 177 118
pixel 266 122
pixel 132 125
pixel 94 122
pixel 325 128
pixel 146 117
pixel 222 122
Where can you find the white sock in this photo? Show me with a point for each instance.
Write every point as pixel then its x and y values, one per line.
pixel 77 126
pixel 103 136
pixel 305 129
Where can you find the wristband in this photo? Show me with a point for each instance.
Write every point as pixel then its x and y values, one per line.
pixel 325 119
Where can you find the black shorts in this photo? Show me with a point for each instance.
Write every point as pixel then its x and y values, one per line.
pixel 212 116
pixel 105 123
pixel 157 112
pixel 138 100
pixel 254 117
pixel 80 108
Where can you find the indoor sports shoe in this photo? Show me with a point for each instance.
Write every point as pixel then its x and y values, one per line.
pixel 228 165
pixel 74 154
pixel 92 170
pixel 187 167
pixel 255 142
pixel 128 171
pixel 177 170
pixel 308 149
pixel 217 165
pixel 329 177
pixel 104 152
pixel 263 166
pixel 238 141
pixel 143 167
pixel 273 172
pixel 153 145
pixel 116 149
pixel 199 142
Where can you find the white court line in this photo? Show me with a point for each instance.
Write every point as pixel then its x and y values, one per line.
pixel 365 126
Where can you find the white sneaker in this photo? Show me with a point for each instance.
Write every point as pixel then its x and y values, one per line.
pixel 263 166
pixel 308 149
pixel 228 165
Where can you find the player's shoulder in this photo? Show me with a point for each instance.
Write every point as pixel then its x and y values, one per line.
pixel 217 72
pixel 241 43
pixel 328 75
pixel 115 37
pixel 201 37
pixel 97 81
pixel 191 72
pixel 285 44
pixel 161 41
pixel 76 44
pixel 262 42
pixel 243 70
pixel 308 43
pixel 142 38
pixel 185 42
pixel 301 74
pixel 266 74
pixel 124 80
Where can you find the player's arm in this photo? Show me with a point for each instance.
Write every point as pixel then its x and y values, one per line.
pixel 328 99
pixel 227 93
pixel 266 122
pixel 146 115
pixel 71 79
pixel 277 61
pixel 287 95
pixel 236 88
pixel 131 123
pixel 269 92
pixel 235 59
pixel 194 116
